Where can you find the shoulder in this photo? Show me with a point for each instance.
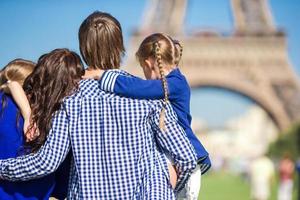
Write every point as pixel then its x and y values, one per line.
pixel 7 98
pixel 8 104
pixel 86 87
pixel 120 72
pixel 178 83
pixel 90 90
pixel 2 94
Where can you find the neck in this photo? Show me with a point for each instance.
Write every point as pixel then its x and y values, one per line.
pixel 168 69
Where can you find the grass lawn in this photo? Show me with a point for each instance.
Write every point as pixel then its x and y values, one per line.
pixel 226 186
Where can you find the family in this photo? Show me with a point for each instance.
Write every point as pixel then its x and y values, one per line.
pixel 99 133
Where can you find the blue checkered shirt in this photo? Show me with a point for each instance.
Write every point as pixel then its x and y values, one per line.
pixel 118 148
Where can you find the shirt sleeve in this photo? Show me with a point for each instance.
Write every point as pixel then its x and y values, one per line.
pixel 130 86
pixel 46 160
pixel 174 142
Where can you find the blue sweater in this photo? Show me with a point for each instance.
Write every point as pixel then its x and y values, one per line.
pixel 124 84
pixel 11 142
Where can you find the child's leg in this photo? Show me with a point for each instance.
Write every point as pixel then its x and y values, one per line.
pixel 192 188
pixel 194 184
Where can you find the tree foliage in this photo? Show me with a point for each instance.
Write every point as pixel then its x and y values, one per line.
pixel 288 142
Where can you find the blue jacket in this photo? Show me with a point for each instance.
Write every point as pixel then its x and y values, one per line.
pixel 11 143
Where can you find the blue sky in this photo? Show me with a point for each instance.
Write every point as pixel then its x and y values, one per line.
pixel 33 27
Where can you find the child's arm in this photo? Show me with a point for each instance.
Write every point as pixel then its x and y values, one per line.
pixel 46 160
pixel 127 85
pixel 20 98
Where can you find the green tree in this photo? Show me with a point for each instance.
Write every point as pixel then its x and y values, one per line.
pixel 287 142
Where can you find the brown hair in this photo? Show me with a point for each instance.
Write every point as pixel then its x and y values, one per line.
pixel 16 70
pixel 56 76
pixel 101 41
pixel 165 51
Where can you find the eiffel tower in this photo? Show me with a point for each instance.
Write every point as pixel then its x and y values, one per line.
pixel 252 61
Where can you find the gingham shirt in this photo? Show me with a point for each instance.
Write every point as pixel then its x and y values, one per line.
pixel 117 146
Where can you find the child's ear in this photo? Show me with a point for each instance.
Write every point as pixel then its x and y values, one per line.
pixel 148 64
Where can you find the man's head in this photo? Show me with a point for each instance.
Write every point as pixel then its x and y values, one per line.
pixel 101 41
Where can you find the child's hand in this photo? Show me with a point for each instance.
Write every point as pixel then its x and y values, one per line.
pixel 93 74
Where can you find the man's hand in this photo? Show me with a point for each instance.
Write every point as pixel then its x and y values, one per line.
pixel 173 175
pixel 93 74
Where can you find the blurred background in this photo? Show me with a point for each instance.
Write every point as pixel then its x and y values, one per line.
pixel 241 58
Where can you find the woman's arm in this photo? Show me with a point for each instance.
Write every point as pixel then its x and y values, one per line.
pixel 46 160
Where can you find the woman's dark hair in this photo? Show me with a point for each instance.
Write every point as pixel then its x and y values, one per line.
pixel 101 41
pixel 55 76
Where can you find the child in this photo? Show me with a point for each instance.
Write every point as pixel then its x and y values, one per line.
pixel 11 133
pixel 159 56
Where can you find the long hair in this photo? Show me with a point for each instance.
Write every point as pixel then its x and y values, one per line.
pixel 16 70
pixel 56 76
pixel 101 41
pixel 165 51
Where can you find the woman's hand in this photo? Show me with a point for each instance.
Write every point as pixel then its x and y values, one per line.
pixel 31 132
pixel 93 74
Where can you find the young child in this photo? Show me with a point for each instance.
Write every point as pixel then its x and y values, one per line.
pixel 159 56
pixel 12 139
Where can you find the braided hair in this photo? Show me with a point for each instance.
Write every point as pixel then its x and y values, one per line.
pixel 164 50
pixel 164 83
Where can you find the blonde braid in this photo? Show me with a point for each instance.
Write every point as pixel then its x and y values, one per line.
pixel 165 85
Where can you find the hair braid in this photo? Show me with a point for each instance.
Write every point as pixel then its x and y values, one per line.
pixel 165 85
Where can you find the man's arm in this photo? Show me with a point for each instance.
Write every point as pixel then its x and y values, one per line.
pixel 46 160
pixel 174 142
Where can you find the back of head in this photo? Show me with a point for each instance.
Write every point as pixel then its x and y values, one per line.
pixel 101 41
pixel 56 76
pixel 16 70
pixel 170 50
pixel 166 52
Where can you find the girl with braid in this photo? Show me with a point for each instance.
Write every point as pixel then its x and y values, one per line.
pixel 159 56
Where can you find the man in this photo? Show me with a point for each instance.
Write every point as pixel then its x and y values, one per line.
pixel 118 148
